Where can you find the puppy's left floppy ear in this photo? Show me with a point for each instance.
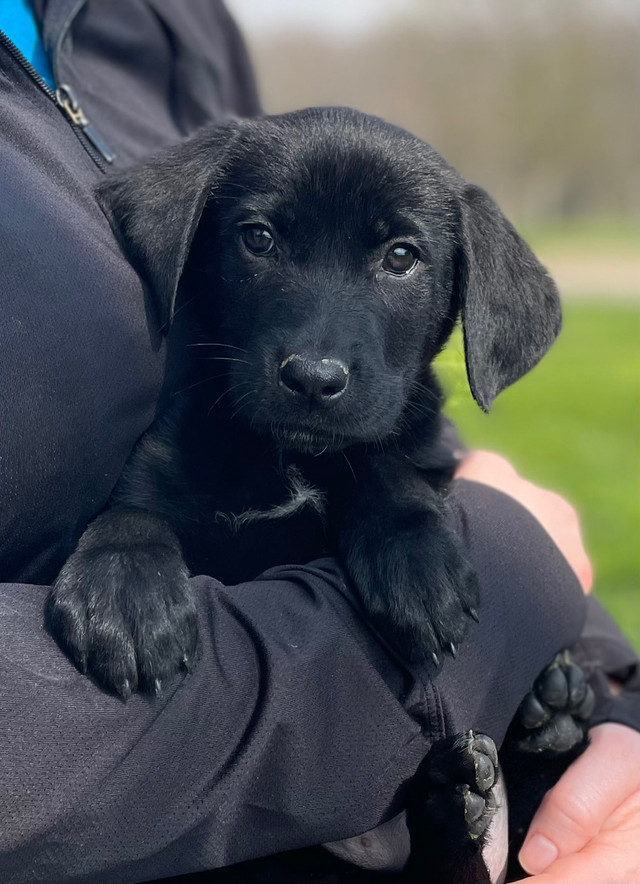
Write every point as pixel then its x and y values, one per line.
pixel 509 303
pixel 154 209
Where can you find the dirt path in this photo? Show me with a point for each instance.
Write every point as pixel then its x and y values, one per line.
pixel 596 275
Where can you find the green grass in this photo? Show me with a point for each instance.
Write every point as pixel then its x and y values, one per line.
pixel 572 425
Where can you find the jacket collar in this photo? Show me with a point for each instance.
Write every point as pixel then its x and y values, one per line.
pixel 55 18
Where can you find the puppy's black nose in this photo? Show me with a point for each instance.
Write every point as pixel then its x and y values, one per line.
pixel 320 381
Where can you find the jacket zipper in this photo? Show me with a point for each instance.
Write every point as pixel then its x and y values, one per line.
pixel 65 99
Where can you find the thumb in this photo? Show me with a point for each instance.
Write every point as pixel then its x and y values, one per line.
pixel 611 858
pixel 573 812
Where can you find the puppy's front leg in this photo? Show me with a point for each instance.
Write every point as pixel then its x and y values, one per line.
pixel 122 605
pixel 405 559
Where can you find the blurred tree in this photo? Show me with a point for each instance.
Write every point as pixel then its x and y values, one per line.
pixel 537 101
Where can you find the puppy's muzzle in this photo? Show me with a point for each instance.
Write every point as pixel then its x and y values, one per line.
pixel 319 383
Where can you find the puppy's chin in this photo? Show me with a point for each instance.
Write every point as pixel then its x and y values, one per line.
pixel 300 438
pixel 310 442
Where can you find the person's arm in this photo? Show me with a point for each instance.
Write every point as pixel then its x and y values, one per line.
pixel 291 731
pixel 297 727
pixel 586 829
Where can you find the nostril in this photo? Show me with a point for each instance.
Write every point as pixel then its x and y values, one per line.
pixel 333 378
pixel 295 386
pixel 292 376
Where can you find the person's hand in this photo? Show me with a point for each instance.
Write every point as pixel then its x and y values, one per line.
pixel 557 517
pixel 586 829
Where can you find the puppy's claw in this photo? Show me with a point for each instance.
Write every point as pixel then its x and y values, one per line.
pixel 125 689
pixel 157 687
pixel 474 615
pixel 435 658
pixel 79 659
pixel 452 650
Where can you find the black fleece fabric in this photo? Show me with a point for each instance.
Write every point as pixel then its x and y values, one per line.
pixel 299 725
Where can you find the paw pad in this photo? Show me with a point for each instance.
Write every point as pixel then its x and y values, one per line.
pixel 456 782
pixel 553 714
pixel 480 805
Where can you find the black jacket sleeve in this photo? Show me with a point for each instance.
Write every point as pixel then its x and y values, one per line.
pixel 297 727
pixel 607 656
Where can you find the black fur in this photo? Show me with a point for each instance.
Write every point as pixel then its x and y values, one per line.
pixel 338 190
pixel 258 409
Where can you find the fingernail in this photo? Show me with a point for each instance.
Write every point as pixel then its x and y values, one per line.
pixel 537 854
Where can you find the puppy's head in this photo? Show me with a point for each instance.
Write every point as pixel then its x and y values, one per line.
pixel 335 252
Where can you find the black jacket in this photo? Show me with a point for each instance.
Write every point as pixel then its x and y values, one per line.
pixel 299 726
pixel 145 77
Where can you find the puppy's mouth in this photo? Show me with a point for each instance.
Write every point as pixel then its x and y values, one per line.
pixel 308 441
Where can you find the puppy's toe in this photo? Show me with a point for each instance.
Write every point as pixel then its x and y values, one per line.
pixel 479 810
pixel 167 642
pixel 111 658
pixel 66 618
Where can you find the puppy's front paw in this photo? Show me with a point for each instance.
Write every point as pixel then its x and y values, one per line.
pixel 417 588
pixel 123 610
pixel 553 716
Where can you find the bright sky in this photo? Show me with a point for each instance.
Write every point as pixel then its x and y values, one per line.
pixel 349 18
pixel 331 16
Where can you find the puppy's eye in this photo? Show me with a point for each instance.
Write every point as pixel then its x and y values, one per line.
pixel 258 239
pixel 400 259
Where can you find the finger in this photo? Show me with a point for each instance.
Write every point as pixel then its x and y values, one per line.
pixel 573 812
pixel 611 858
pixel 585 867
pixel 487 467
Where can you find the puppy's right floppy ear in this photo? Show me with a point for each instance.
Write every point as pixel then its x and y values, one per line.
pixel 154 209
pixel 509 303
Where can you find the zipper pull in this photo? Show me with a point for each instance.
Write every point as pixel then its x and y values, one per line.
pixel 67 100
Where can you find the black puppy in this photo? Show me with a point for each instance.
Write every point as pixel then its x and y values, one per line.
pixel 323 257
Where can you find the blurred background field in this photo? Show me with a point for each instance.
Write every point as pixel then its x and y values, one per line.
pixel 537 101
pixel 571 425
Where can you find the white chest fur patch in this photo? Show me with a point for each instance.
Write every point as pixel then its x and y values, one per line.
pixel 496 848
pixel 302 494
